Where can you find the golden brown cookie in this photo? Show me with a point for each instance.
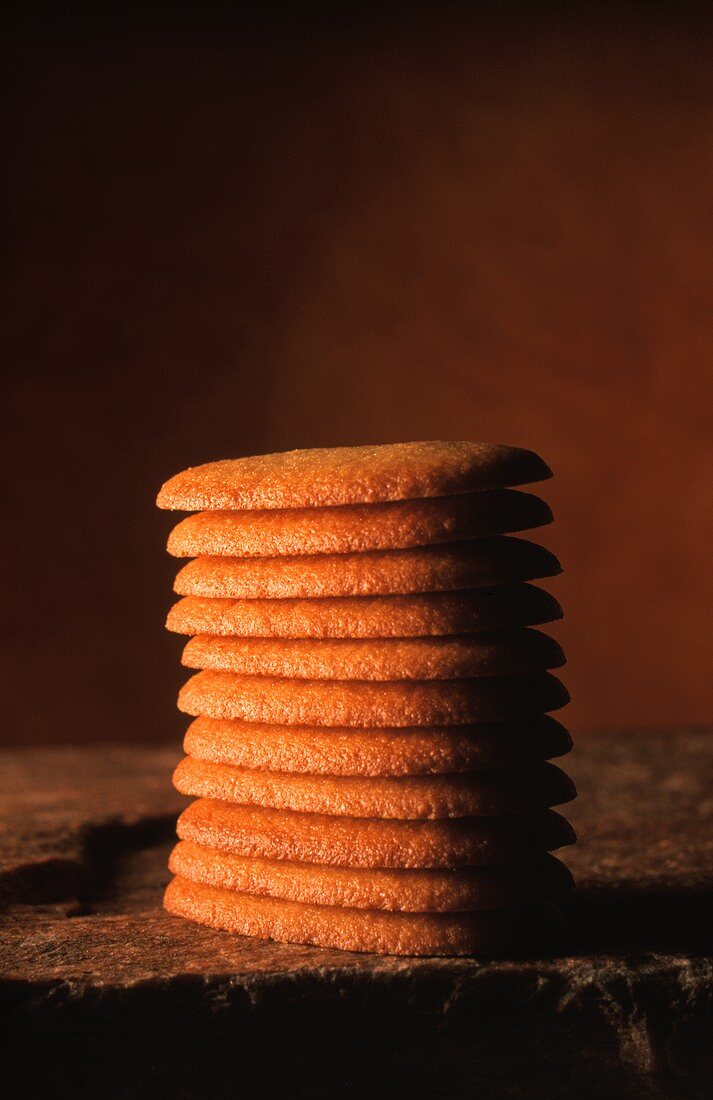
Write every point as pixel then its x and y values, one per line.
pixel 435 613
pixel 363 703
pixel 490 932
pixel 457 565
pixel 480 794
pixel 493 653
pixel 412 891
pixel 305 750
pixel 349 528
pixel 351 475
pixel 368 842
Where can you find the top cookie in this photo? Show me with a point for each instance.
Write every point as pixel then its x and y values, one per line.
pixel 351 475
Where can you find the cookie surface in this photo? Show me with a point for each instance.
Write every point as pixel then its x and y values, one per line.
pixel 429 891
pixel 458 565
pixel 481 794
pixel 349 528
pixel 363 703
pixel 378 931
pixel 351 475
pixel 305 750
pixel 445 658
pixel 367 616
pixel 368 842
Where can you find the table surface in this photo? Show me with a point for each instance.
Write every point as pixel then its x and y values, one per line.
pixel 98 983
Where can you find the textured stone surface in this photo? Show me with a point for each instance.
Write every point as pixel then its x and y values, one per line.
pixel 104 994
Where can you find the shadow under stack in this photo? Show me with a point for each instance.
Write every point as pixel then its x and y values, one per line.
pixel 372 742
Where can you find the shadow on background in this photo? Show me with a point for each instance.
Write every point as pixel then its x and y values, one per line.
pixel 636 918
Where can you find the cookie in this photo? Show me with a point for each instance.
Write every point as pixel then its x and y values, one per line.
pixel 445 658
pixel 411 891
pixel 305 750
pixel 410 616
pixel 349 528
pixel 482 794
pixel 368 842
pixel 490 932
pixel 499 560
pixel 363 703
pixel 351 475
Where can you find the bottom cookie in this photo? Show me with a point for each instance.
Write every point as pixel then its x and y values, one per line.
pixel 493 932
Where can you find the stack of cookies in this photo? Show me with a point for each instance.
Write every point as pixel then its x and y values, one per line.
pixel 371 743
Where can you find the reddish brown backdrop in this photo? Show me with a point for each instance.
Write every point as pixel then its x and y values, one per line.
pixel 293 228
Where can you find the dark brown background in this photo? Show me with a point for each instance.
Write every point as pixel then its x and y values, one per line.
pixel 296 227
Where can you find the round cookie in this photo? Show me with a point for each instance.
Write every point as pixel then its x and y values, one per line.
pixel 458 565
pixel 351 475
pixel 305 750
pixel 411 891
pixel 369 842
pixel 350 528
pixel 446 658
pixel 363 703
pixel 418 615
pixel 490 932
pixel 410 797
